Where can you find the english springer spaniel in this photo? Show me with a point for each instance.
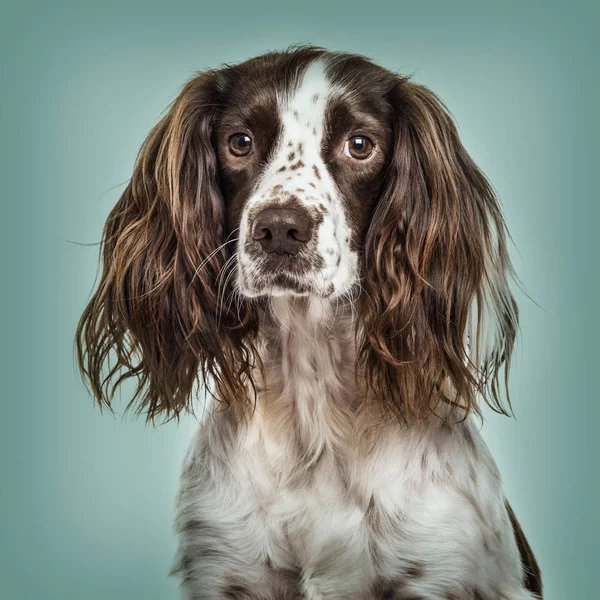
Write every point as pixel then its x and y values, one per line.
pixel 305 234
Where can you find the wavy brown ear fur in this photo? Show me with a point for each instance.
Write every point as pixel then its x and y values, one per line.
pixel 440 320
pixel 159 315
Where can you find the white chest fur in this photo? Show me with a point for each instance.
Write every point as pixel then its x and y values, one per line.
pixel 315 495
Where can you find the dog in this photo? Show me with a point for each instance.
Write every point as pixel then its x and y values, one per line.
pixel 305 238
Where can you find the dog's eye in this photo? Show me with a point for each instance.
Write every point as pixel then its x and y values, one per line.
pixel 240 144
pixel 359 147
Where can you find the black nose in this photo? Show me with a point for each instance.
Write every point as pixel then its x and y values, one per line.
pixel 282 230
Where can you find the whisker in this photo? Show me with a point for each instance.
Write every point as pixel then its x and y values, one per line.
pixel 221 292
pixel 203 263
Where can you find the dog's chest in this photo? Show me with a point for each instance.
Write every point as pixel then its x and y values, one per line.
pixel 315 487
pixel 347 522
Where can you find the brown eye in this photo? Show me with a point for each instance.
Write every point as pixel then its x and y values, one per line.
pixel 240 144
pixel 359 147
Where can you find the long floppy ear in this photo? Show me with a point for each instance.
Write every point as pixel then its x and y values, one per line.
pixel 160 313
pixel 440 319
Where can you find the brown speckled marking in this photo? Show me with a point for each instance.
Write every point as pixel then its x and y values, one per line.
pixel 487 547
pixel 416 570
pixel 315 98
pixel 470 441
pixel 297 165
pixel 300 150
pixel 291 156
pixel 237 592
pixel 340 465
pixel 473 475
pixel 373 517
pixel 282 169
pixel 286 584
pixel 316 172
pixel 474 505
pixel 532 577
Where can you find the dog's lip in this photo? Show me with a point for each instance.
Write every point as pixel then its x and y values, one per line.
pixel 291 264
pixel 269 282
pixel 282 278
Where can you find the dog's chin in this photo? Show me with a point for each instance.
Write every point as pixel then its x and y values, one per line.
pixel 284 283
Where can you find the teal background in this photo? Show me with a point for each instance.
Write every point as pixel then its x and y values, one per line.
pixel 87 500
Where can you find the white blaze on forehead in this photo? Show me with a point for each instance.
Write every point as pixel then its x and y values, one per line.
pixel 298 169
pixel 303 110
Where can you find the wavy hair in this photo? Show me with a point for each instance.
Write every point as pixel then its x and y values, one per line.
pixel 159 314
pixel 439 319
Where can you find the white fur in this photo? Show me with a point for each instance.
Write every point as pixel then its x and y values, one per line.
pixel 423 495
pixel 303 119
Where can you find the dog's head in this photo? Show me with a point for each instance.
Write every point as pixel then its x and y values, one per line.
pixel 302 173
pixel 303 149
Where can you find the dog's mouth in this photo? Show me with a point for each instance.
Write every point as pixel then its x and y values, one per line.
pixel 281 275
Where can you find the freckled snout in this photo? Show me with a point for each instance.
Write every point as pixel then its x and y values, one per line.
pixel 282 230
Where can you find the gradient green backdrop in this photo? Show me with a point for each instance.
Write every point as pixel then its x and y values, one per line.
pixel 87 500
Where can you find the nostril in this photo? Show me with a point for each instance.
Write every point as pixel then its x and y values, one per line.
pixel 262 233
pixel 300 234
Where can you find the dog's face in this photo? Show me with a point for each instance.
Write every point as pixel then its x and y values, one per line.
pixel 302 173
pixel 302 161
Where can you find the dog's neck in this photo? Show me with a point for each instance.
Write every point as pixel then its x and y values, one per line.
pixel 310 338
pixel 309 387
pixel 308 356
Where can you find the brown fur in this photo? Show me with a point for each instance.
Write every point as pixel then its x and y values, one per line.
pixel 425 259
pixel 157 315
pixel 532 576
